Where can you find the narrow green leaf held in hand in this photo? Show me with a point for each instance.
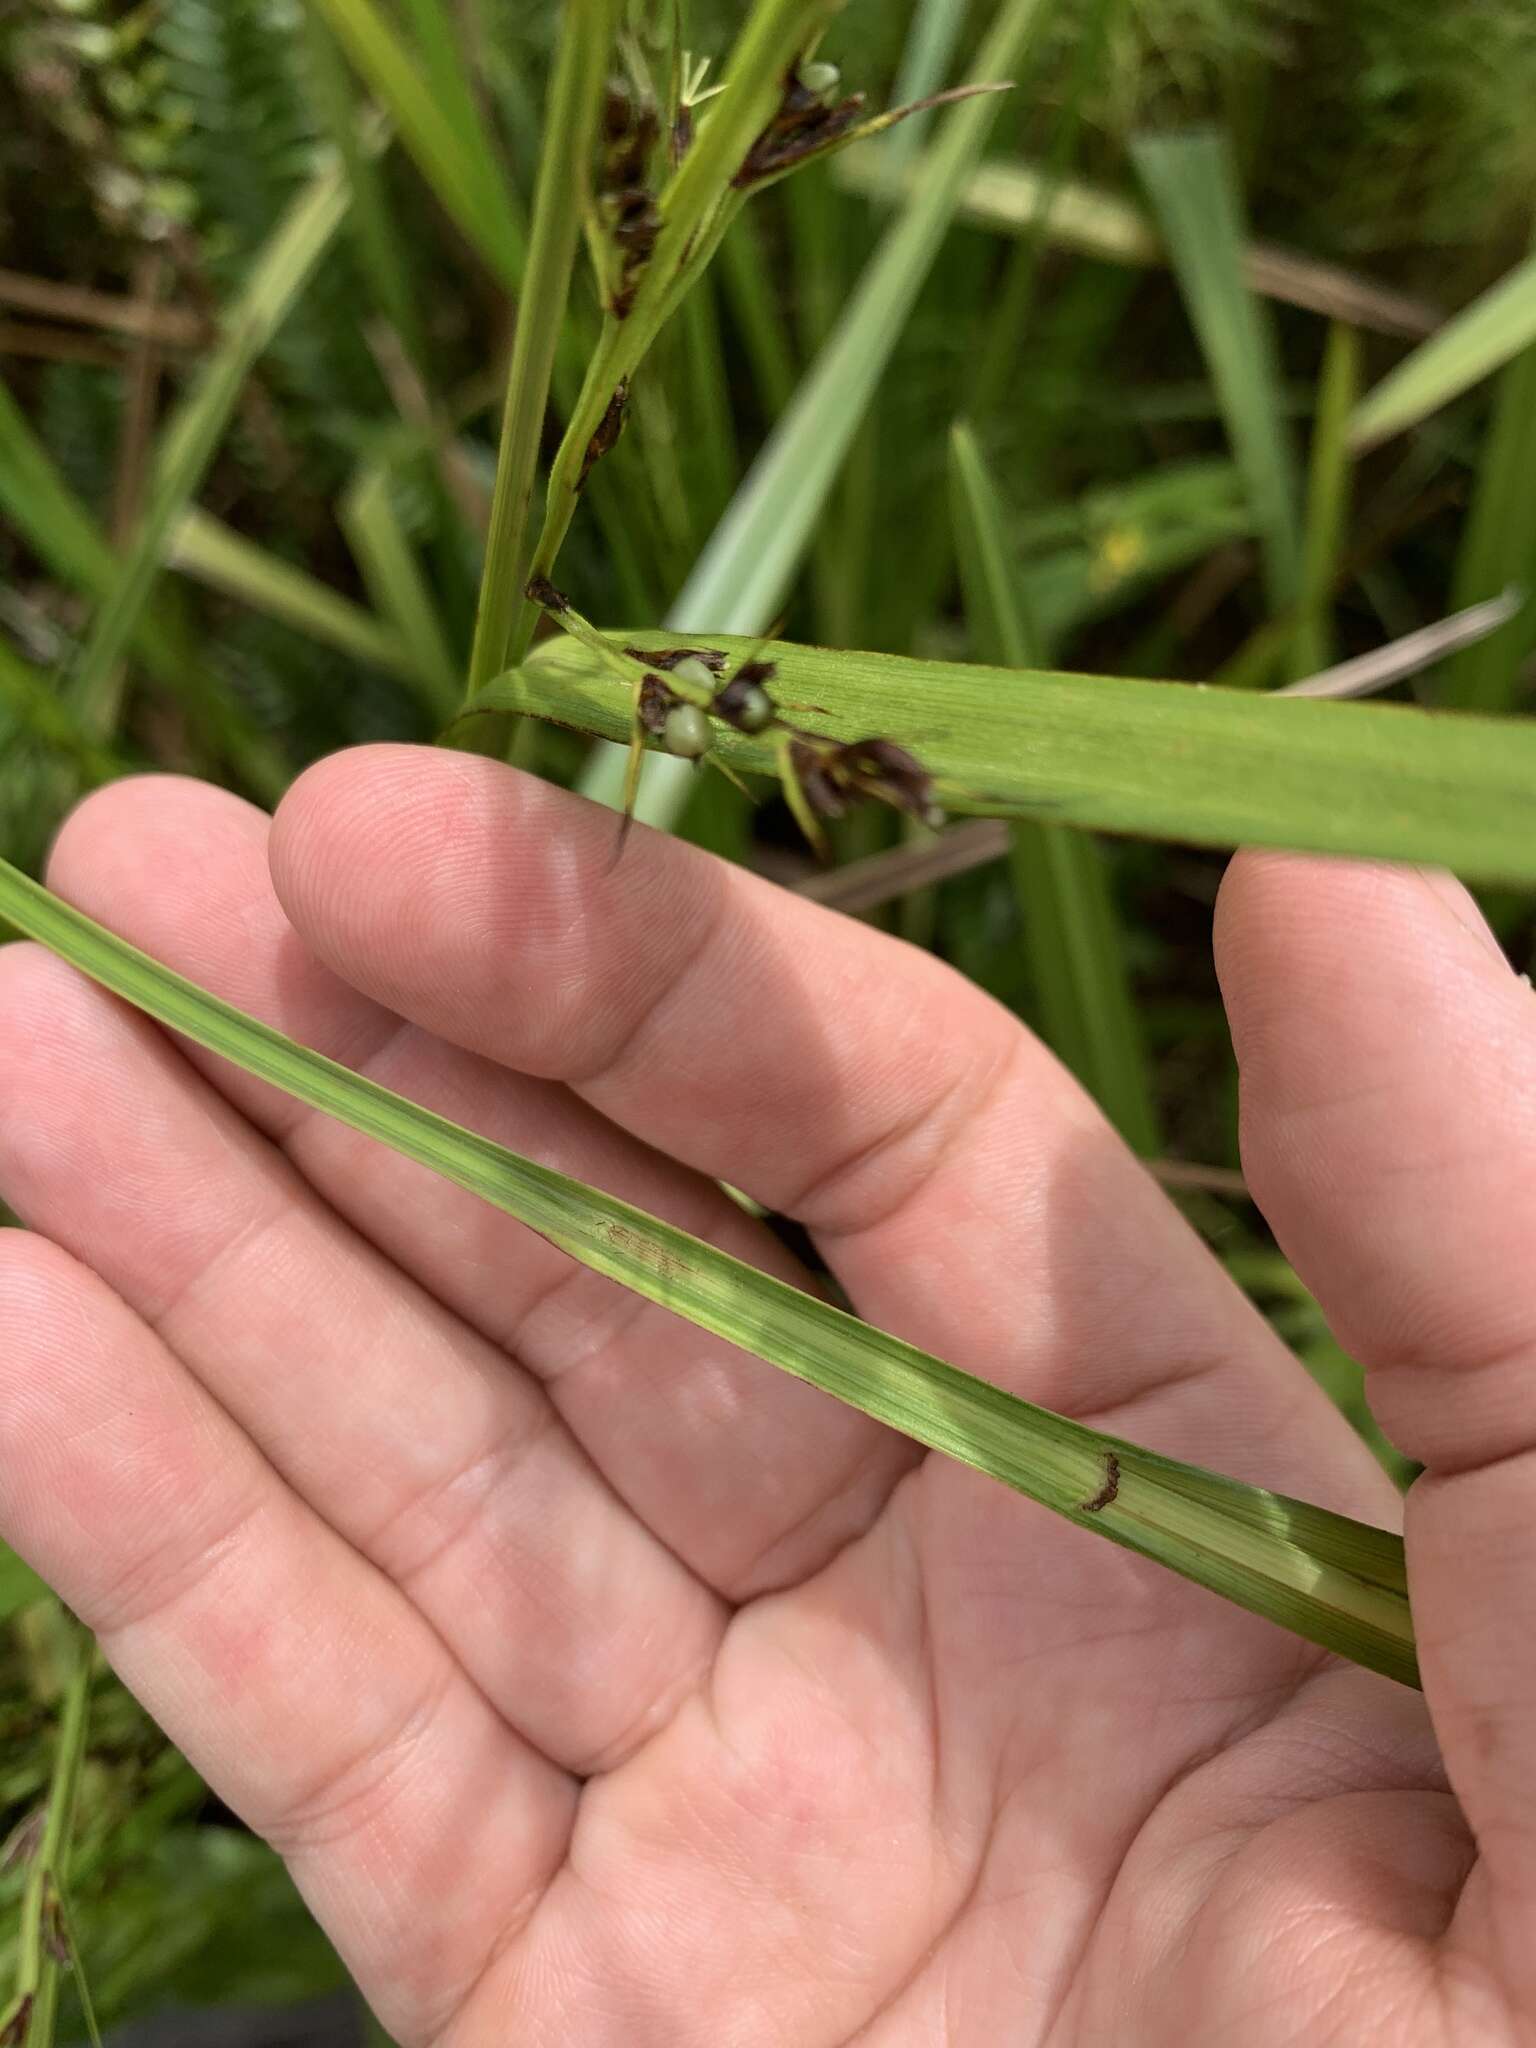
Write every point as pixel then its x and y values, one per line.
pixel 1488 333
pixel 1192 183
pixel 1337 1582
pixel 1181 761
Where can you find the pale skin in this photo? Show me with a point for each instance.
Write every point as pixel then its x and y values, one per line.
pixel 604 1686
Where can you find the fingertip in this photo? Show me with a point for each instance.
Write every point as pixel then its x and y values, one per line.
pixel 1313 953
pixel 447 886
pixel 357 844
pixel 123 833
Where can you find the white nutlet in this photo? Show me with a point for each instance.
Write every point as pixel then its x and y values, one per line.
pixel 686 732
pixel 693 674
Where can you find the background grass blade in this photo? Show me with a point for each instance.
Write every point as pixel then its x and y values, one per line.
pixel 1026 198
pixel 19 1584
pixel 34 702
pixel 1498 547
pixel 214 554
pixel 1071 933
pixel 1336 1582
pixel 384 256
pixel 37 1968
pixel 1484 336
pixel 1167 760
pixel 194 431
pixel 1327 502
pixel 447 139
pixel 69 540
pixel 1192 183
pixel 926 57
pixel 398 588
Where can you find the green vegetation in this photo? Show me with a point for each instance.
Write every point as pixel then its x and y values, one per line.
pixel 1204 354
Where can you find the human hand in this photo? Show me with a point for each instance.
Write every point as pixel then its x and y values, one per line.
pixel 602 1685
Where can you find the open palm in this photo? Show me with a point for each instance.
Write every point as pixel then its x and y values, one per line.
pixel 602 1685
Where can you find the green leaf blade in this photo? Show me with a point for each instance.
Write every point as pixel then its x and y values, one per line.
pixel 1179 761
pixel 1298 1564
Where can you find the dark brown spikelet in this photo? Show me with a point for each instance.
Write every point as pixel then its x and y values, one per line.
pixel 835 777
pixel 55 1934
pixel 801 128
pixel 682 135
pixel 636 224
pixel 882 769
pixel 656 700
pixel 609 428
pixel 732 701
pixel 630 128
pixel 825 792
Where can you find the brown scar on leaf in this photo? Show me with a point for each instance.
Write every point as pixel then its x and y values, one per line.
pixel 640 1247
pixel 1107 1491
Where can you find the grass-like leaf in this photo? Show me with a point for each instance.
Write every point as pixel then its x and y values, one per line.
pixel 399 589
pixel 1070 930
pixel 1193 186
pixel 37 1968
pixel 195 429
pixel 1328 474
pixel 1180 761
pixel 1336 1582
pixel 1498 546
pixel 19 1584
pixel 33 700
pixel 65 536
pixel 1482 337
pixel 212 553
pixel 385 257
pixel 432 103
pixel 1015 198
